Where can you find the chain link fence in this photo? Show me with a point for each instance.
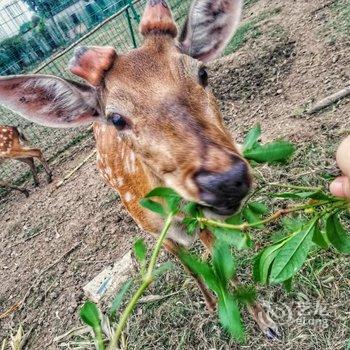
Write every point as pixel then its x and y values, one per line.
pixel 40 36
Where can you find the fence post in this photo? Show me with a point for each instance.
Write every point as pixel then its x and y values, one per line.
pixel 134 12
pixel 130 27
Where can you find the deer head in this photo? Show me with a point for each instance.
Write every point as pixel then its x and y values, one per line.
pixel 157 99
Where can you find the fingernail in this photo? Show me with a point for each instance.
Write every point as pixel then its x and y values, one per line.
pixel 337 187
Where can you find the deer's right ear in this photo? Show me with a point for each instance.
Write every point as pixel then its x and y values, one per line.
pixel 92 62
pixel 50 101
pixel 209 27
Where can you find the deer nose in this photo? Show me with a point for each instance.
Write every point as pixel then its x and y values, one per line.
pixel 223 192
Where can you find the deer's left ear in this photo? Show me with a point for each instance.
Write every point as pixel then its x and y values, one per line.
pixel 209 27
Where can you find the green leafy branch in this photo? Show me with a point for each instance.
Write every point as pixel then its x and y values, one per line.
pixel 314 221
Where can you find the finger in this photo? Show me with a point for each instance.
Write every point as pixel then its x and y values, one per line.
pixel 343 156
pixel 340 187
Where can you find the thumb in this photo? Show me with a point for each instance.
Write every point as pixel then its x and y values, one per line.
pixel 340 187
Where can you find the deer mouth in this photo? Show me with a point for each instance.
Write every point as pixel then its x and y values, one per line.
pixel 225 211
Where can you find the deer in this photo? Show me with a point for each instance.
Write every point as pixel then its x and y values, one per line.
pixel 155 120
pixel 14 145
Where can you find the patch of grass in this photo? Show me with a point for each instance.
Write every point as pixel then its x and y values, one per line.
pixel 337 25
pixel 246 31
pixel 249 3
pixel 249 30
pixel 277 32
pixel 32 231
pixel 341 21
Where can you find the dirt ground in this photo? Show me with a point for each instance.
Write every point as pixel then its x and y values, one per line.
pixel 293 53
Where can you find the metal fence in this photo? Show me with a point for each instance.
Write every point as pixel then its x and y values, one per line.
pixel 37 36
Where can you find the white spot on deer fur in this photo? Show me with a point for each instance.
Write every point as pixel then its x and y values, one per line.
pixel 130 163
pixel 119 182
pixel 128 197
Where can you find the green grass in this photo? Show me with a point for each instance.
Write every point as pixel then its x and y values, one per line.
pixel 341 18
pixel 337 26
pixel 246 31
pixel 248 3
pixel 249 30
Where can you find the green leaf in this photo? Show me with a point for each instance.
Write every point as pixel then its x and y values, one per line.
pixel 119 298
pixel 251 216
pixel 201 269
pixel 264 261
pixel 191 224
pixel 256 268
pixel 174 204
pixel 337 235
pixel 320 238
pixel 277 151
pixel 140 250
pixel 287 284
pixel 90 315
pixel 235 238
pixel 191 209
pixel 252 137
pixel 163 192
pixel 153 206
pixel 259 208
pixel 223 262
pixel 246 295
pixel 292 224
pixel 230 316
pixel 172 198
pixel 235 219
pixel 292 255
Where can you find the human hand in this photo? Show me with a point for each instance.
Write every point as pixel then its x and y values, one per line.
pixel 340 187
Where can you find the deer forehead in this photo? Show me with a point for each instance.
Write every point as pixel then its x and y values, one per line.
pixel 151 71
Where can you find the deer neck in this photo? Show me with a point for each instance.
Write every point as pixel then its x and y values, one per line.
pixel 123 170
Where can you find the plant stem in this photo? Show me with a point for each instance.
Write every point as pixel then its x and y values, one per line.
pixel 99 338
pixel 294 187
pixel 147 280
pixel 273 217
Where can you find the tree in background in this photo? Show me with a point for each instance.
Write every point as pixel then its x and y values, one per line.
pixel 48 8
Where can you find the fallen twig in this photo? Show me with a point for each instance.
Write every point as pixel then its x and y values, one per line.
pixel 39 278
pixel 71 173
pixel 329 100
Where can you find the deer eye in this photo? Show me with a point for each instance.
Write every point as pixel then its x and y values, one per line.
pixel 203 76
pixel 118 121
